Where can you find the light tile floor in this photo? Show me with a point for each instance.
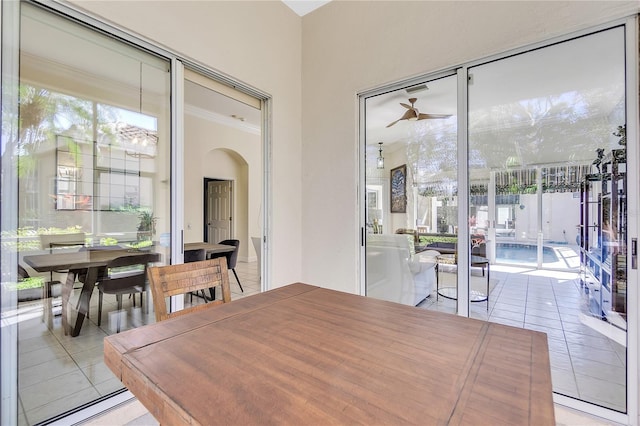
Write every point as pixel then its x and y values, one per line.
pixel 57 373
pixel 585 363
pixel 133 413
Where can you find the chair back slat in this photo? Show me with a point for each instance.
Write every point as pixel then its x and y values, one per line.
pixel 171 280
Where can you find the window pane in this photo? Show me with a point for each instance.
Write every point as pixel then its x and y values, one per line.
pixel 412 194
pixel 544 137
pixel 94 147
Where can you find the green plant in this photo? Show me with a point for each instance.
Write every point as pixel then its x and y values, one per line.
pixel 147 225
pixel 108 241
pixel 140 244
pixel 27 283
pixel 436 239
pixel 147 221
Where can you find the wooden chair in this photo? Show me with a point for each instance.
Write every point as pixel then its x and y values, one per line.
pixel 196 255
pixel 171 280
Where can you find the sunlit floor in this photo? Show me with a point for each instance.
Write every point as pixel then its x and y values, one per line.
pixel 585 364
pixel 133 413
pixel 57 373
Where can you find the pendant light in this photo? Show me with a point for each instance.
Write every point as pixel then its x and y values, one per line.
pixel 380 160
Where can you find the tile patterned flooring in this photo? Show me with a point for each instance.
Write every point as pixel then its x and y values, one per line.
pixel 57 372
pixel 585 363
pixel 133 413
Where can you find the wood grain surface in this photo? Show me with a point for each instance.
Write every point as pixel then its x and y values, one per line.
pixel 171 280
pixel 306 355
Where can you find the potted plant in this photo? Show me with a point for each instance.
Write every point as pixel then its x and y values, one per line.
pixel 147 225
pixel 29 288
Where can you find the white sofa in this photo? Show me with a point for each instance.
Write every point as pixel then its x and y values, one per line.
pixel 394 273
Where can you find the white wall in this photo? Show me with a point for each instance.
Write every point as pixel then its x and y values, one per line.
pixel 561 216
pixel 216 151
pixel 259 43
pixel 349 47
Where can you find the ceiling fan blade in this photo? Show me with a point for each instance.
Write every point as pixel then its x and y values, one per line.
pixel 406 106
pixel 422 116
pixel 408 114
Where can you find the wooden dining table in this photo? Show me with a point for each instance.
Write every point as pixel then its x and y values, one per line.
pixel 302 354
pixel 89 261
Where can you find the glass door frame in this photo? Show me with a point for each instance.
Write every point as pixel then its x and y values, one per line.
pixel 464 257
pixel 10 34
pixel 632 43
pixel 10 15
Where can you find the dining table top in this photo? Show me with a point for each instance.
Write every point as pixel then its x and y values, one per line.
pixel 210 248
pixel 302 354
pixel 78 259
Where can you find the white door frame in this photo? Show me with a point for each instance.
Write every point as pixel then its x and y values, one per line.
pixel 10 34
pixel 232 207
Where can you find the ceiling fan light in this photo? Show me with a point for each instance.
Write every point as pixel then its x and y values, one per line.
pixel 380 159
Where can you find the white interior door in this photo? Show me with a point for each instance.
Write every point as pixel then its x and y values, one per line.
pixel 218 211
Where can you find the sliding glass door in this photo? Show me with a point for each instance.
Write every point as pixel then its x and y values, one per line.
pixel 92 151
pixel 546 131
pixel 548 194
pixel 412 192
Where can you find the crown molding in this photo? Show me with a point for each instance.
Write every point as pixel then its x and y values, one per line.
pixel 222 119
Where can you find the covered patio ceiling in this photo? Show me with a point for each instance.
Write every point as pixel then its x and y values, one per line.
pixel 550 105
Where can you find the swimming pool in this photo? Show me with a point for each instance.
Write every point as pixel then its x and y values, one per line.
pixel 523 253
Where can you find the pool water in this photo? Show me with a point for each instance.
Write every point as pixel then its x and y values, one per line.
pixel 523 253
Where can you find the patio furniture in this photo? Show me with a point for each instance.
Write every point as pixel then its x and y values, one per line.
pixel 61 241
pixel 194 255
pixel 197 255
pixel 478 246
pixel 210 248
pixel 92 261
pixel 119 281
pixel 172 280
pixel 394 273
pixel 317 356
pixel 50 289
pixel 232 257
pixel 452 292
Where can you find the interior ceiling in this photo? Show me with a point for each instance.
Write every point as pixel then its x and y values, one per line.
pixel 544 94
pixel 302 7
pixel 217 103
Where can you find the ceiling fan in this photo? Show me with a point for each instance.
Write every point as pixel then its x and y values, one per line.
pixel 413 114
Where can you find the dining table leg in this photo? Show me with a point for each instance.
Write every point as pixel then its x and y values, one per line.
pixel 83 301
pixel 67 288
